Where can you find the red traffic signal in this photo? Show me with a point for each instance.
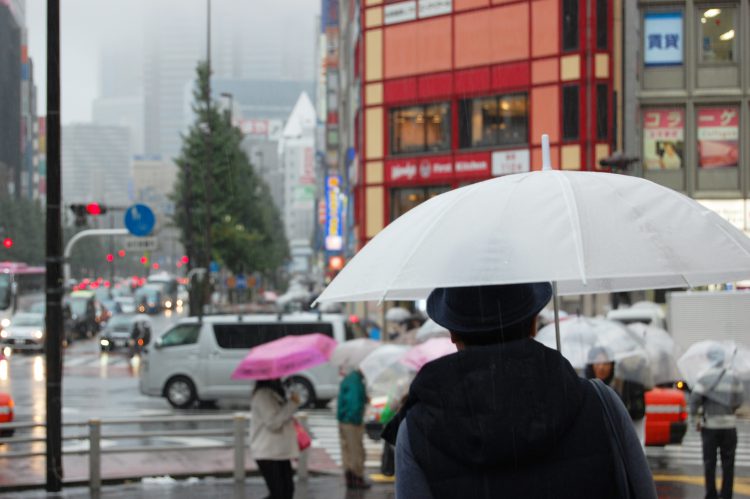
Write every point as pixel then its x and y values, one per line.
pixel 144 260
pixel 8 242
pixel 110 257
pixel 96 209
pixel 185 259
pixel 121 253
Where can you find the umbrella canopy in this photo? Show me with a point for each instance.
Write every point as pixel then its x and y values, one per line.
pixel 428 351
pixel 349 354
pixel 585 340
pixel 589 232
pixel 431 329
pixel 383 370
pixel 661 350
pixel 719 370
pixel 285 356
pixel 397 314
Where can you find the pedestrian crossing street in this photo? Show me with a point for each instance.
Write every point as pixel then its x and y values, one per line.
pixel 324 431
pixel 690 452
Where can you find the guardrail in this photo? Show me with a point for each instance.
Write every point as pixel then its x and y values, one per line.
pixel 238 433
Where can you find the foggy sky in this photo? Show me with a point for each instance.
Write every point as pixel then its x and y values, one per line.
pixel 87 26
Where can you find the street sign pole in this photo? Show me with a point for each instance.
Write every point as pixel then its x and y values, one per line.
pixel 54 284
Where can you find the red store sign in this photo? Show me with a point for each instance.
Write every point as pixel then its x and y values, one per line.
pixel 437 168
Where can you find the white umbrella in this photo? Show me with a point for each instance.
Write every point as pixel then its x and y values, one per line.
pixel 431 329
pixel 383 369
pixel 349 354
pixel 661 350
pixel 397 314
pixel 587 232
pixel 585 340
pixel 719 370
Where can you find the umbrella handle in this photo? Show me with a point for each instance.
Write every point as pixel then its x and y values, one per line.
pixel 556 306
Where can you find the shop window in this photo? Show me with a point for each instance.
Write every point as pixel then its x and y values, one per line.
pixel 663 138
pixel 718 136
pixel 404 199
pixel 418 129
pixel 571 111
pixel 718 33
pixel 499 120
pixel 602 111
pixel 602 25
pixel 570 24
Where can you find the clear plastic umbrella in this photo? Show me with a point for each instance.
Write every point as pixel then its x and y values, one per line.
pixel 719 370
pixel 585 340
pixel 397 314
pixel 431 329
pixel 349 354
pixel 384 371
pixel 661 349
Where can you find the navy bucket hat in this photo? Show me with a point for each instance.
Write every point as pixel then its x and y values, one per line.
pixel 482 309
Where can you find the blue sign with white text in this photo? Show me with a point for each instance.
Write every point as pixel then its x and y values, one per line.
pixel 662 38
pixel 139 220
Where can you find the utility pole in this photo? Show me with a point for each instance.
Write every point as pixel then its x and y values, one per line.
pixel 54 285
pixel 206 291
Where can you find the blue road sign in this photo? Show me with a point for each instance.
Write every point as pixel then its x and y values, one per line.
pixel 139 220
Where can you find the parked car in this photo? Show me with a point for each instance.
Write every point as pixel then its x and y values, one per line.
pixel 129 332
pixel 6 413
pixel 25 332
pixel 193 361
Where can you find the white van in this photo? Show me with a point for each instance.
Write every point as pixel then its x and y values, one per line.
pixel 193 362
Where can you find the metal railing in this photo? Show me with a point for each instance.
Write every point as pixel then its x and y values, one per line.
pixel 237 432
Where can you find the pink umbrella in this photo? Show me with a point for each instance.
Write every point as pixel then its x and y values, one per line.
pixel 428 351
pixel 285 356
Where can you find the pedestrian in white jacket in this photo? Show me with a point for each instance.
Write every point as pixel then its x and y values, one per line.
pixel 273 439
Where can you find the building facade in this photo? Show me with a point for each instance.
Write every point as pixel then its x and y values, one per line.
pixel 692 103
pixel 458 91
pixel 10 98
pixel 96 164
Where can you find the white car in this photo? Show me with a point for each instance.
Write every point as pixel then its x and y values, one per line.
pixel 25 332
pixel 126 303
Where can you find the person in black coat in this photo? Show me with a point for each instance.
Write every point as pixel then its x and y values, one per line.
pixel 506 416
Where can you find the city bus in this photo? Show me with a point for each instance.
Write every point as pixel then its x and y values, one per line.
pixel 21 286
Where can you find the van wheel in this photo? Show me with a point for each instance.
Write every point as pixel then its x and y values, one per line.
pixel 304 388
pixel 180 392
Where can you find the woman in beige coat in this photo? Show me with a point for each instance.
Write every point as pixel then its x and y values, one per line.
pixel 273 439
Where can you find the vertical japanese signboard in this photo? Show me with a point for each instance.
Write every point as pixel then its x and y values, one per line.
pixel 663 138
pixel 333 214
pixel 662 38
pixel 718 136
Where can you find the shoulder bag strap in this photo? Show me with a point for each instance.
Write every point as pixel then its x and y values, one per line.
pixel 618 451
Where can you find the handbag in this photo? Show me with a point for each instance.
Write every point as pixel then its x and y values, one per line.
pixel 621 469
pixel 303 438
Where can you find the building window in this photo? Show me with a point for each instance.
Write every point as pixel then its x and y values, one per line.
pixel 718 136
pixel 571 111
pixel 602 111
pixel 570 24
pixel 663 138
pixel 602 24
pixel 499 120
pixel 404 199
pixel 718 34
pixel 420 128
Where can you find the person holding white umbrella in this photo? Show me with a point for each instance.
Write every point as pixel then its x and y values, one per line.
pixel 506 416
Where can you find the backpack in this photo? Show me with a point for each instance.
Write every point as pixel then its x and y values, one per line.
pixel 633 395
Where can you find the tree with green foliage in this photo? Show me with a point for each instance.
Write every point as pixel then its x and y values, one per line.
pixel 217 189
pixel 22 221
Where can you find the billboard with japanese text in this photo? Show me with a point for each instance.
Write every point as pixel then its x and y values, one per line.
pixel 718 136
pixel 663 138
pixel 662 38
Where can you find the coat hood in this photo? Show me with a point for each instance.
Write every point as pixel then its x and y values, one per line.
pixel 497 404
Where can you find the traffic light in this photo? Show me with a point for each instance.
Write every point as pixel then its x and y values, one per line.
pixel 144 260
pixel 81 211
pixel 110 257
pixel 8 243
pixel 121 253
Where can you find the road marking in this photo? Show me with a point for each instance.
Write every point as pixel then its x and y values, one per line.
pixel 739 487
